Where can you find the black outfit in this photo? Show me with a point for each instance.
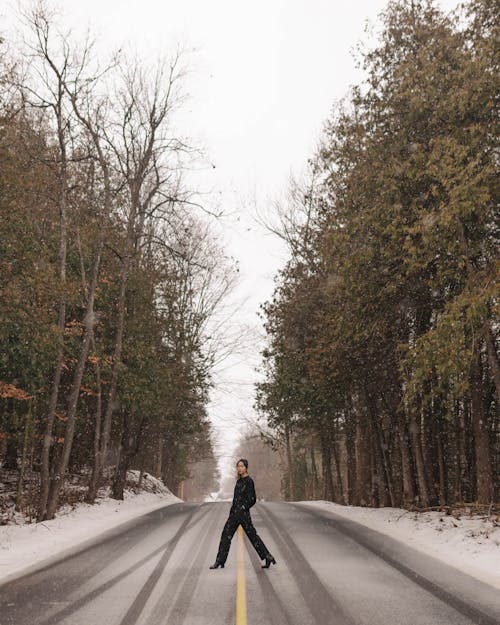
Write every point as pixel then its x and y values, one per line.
pixel 244 498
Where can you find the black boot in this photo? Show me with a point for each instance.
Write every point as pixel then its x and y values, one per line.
pixel 216 564
pixel 269 560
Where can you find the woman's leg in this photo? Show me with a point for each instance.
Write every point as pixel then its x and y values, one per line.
pixel 255 539
pixel 227 534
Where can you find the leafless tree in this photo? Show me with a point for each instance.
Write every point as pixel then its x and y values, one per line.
pixel 46 71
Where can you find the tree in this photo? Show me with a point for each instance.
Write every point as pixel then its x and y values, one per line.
pixel 394 307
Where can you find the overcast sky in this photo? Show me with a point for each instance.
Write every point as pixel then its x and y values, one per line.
pixel 263 78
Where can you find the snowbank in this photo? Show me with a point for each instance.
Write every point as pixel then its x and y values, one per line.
pixel 22 546
pixel 471 544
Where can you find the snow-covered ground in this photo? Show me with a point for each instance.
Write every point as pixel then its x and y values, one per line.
pixel 22 546
pixel 471 544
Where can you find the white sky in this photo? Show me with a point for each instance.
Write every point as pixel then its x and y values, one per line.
pixel 264 75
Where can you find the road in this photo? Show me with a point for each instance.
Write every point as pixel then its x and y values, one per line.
pixel 154 571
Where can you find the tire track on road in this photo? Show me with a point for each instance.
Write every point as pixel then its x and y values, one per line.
pixel 437 591
pixel 278 615
pixel 179 610
pixel 137 606
pixel 318 599
pixel 163 610
pixel 168 546
pixel 114 543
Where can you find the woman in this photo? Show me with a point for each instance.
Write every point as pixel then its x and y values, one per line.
pixel 244 498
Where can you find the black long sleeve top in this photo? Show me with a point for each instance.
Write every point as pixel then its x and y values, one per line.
pixel 244 495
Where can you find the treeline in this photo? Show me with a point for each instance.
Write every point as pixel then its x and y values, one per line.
pixel 109 271
pixel 382 369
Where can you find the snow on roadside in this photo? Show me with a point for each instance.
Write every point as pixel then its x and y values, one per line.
pixel 22 546
pixel 470 544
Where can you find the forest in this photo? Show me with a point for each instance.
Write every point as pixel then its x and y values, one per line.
pixel 110 272
pixel 382 379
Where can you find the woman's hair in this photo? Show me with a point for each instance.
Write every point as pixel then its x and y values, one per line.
pixel 245 462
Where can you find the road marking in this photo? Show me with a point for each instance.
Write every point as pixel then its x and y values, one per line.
pixel 241 601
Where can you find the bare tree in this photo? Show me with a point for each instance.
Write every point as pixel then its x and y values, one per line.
pixel 93 112
pixel 58 81
pixel 117 122
pixel 43 87
pixel 148 158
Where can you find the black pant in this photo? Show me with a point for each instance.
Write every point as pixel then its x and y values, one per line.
pixel 245 520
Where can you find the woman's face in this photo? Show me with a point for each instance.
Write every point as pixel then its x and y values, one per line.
pixel 241 468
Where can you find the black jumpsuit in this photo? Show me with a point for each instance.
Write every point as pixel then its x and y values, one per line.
pixel 244 498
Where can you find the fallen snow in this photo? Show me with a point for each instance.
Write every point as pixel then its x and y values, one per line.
pixel 22 546
pixel 470 544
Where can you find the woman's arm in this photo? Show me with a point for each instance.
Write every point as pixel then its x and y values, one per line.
pixel 251 497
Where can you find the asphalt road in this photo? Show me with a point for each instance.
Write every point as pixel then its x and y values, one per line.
pixel 154 571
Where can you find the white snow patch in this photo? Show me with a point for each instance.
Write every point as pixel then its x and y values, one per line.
pixel 22 546
pixel 470 544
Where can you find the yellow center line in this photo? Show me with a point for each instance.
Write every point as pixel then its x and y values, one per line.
pixel 241 600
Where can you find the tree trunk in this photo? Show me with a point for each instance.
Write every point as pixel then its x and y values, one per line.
pixel 56 382
pixel 326 455
pixel 338 475
pixel 314 471
pixel 438 434
pixel 362 446
pixel 442 471
pixel 141 476
pixel 383 470
pixel 45 481
pixel 120 474
pixel 88 121
pixel 291 481
pixel 484 480
pixel 159 457
pixel 89 324
pixel 350 444
pixel 459 451
pixel 423 491
pixel 470 471
pixel 26 437
pixel 374 475
pixel 428 440
pixel 406 465
pixel 129 446
pixel 96 466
